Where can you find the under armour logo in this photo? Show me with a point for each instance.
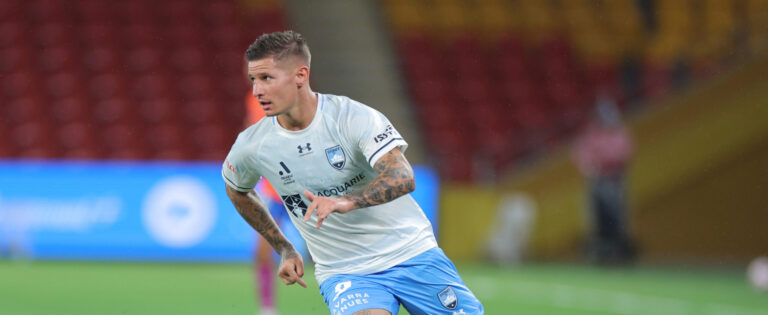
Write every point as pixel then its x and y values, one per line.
pixel 301 148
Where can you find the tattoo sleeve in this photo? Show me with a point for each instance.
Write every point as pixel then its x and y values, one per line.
pixel 395 179
pixel 255 212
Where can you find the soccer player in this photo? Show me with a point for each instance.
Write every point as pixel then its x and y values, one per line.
pixel 339 168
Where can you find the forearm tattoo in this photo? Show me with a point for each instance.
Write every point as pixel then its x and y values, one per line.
pixel 255 212
pixel 395 179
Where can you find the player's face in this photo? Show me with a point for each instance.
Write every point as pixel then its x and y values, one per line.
pixel 274 84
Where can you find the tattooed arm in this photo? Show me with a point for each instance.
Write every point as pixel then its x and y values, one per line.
pixel 255 212
pixel 395 179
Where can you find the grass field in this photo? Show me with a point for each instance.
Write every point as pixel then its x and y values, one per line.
pixel 154 288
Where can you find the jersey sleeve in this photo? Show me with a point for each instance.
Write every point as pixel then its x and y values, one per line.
pixel 238 172
pixel 373 134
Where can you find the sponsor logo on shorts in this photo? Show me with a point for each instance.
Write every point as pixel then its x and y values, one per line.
pixel 448 298
pixel 341 287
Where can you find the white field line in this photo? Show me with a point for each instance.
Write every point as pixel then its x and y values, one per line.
pixel 614 302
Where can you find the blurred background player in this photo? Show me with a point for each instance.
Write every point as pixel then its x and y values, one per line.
pixel 602 154
pixel 263 263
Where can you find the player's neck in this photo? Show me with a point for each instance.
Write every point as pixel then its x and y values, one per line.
pixel 302 114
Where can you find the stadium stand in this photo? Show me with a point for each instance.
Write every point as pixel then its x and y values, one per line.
pixel 497 82
pixel 98 79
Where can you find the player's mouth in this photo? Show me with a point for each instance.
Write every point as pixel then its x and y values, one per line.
pixel 265 104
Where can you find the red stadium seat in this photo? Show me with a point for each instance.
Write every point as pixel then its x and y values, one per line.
pixel 101 60
pixel 168 142
pixel 136 12
pixel 219 12
pixel 53 34
pixel 23 110
pixel 210 142
pixel 144 60
pixel 64 84
pixel 77 140
pixel 229 64
pixel 107 86
pixel 124 141
pixel 151 86
pixel 188 59
pixel 111 111
pixel 93 12
pixel 94 67
pixel 13 59
pixel 158 111
pixel 57 59
pixel 178 11
pixel 184 35
pixel 195 87
pixel 42 11
pixel 12 33
pixel 228 37
pixel 11 9
pixel 69 110
pixel 100 35
pixel 201 111
pixel 32 140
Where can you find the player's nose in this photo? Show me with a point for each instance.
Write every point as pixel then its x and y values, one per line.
pixel 257 90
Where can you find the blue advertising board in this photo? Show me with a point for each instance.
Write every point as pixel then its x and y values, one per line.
pixel 133 211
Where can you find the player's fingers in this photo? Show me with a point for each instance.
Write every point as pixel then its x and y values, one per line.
pixel 300 268
pixel 322 213
pixel 285 277
pixel 299 272
pixel 309 195
pixel 293 276
pixel 310 209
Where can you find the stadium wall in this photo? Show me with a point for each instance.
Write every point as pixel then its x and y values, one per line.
pixel 697 182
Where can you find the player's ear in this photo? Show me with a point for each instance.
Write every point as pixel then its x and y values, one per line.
pixel 302 75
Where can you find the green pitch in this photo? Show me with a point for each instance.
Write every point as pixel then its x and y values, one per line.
pixel 137 288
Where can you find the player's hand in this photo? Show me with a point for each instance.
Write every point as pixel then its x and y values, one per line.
pixel 291 268
pixel 325 206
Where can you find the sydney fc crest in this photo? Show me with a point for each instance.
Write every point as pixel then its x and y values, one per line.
pixel 336 157
pixel 448 298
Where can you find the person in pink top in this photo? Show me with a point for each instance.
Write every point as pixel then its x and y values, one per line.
pixel 602 154
pixel 263 265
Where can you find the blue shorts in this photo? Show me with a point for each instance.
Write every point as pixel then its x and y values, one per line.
pixel 425 284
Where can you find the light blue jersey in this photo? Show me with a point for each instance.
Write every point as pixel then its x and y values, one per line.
pixel 425 284
pixel 334 155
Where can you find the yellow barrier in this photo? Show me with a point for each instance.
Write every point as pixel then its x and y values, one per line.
pixel 698 184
